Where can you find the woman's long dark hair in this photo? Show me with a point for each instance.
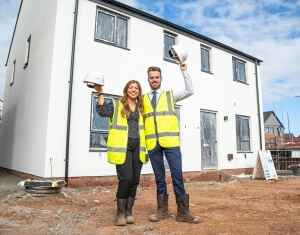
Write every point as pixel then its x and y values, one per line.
pixel 124 99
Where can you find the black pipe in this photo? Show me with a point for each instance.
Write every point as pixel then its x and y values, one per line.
pixel 70 94
pixel 258 106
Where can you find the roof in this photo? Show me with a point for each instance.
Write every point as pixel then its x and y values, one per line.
pixel 268 114
pixel 158 21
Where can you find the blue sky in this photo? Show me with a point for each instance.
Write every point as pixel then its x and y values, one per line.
pixel 268 30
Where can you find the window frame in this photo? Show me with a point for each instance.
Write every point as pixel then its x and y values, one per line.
pixel 27 51
pixel 94 99
pixel 236 72
pixel 208 49
pixel 239 134
pixel 166 55
pixel 116 16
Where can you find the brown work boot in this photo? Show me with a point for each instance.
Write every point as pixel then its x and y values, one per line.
pixel 162 208
pixel 120 218
pixel 183 212
pixel 128 210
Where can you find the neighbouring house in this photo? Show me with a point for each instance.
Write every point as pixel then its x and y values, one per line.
pixel 50 127
pixel 274 131
pixel 284 148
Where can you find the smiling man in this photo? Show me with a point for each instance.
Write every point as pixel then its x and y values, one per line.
pixel 162 138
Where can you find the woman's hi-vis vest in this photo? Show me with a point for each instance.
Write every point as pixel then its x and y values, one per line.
pixel 118 136
pixel 162 124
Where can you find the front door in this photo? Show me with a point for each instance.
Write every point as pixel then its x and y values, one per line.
pixel 209 157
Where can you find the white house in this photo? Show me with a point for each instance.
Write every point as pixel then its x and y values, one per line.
pixel 49 126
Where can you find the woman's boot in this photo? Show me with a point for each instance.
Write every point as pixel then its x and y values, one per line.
pixel 120 218
pixel 128 211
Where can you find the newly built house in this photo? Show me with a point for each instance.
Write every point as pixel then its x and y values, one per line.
pixel 49 124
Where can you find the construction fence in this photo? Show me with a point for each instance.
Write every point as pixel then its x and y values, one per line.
pixel 285 159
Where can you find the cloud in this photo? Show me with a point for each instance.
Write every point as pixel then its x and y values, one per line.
pixel 267 30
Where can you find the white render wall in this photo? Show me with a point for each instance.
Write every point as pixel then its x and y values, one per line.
pixel 34 115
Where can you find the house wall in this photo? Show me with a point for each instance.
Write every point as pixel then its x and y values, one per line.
pixel 215 92
pixel 35 109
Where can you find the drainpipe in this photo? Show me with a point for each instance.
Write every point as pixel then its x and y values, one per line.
pixel 258 106
pixel 70 94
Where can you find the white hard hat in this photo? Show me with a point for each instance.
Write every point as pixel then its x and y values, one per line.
pixel 178 52
pixel 94 77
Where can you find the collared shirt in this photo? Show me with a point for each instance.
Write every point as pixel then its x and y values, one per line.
pixel 180 94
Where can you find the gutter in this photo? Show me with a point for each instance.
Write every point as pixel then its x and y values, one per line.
pixel 70 95
pixel 258 105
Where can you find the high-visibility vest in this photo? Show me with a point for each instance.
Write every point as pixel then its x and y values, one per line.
pixel 161 124
pixel 118 136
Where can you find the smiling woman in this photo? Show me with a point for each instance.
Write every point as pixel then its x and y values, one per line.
pixel 126 144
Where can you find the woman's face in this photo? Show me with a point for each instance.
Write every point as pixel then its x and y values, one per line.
pixel 133 91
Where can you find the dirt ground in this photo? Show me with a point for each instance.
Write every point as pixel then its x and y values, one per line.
pixel 242 206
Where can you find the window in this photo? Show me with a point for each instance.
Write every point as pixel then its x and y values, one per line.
pixel 27 52
pixel 111 28
pixel 205 58
pixel 12 77
pixel 239 70
pixel 242 133
pixel 169 40
pixel 267 129
pixel 99 125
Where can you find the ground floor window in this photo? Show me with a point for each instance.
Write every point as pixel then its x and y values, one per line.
pixel 243 133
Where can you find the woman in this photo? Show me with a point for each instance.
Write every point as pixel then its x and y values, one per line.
pixel 126 144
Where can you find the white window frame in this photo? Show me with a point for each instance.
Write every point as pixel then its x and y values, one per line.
pixel 242 140
pixel 114 30
pixel 167 47
pixel 207 59
pixel 239 70
pixel 27 52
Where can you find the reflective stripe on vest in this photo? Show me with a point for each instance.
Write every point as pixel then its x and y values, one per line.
pixel 118 136
pixel 167 131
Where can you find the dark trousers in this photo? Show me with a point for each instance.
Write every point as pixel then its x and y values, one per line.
pixel 129 172
pixel 173 156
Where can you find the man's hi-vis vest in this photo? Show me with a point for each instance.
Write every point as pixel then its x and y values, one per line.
pixel 118 136
pixel 162 124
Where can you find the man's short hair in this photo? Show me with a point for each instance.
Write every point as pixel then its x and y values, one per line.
pixel 154 68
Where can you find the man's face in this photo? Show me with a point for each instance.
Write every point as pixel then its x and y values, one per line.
pixel 154 79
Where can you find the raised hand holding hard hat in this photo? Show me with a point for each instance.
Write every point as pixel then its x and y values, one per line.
pixel 178 52
pixel 94 77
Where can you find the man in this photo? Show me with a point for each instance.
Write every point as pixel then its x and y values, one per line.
pixel 162 138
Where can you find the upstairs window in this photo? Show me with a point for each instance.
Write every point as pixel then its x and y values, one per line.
pixel 27 52
pixel 243 134
pixel 111 28
pixel 205 59
pixel 99 125
pixel 169 40
pixel 239 70
pixel 12 76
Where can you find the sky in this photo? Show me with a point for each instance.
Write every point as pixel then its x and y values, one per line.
pixel 268 30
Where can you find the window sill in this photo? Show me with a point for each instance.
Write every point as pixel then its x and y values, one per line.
pixel 171 60
pixel 205 71
pixel 111 44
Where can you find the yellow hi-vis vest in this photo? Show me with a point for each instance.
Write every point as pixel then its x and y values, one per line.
pixel 162 124
pixel 118 136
